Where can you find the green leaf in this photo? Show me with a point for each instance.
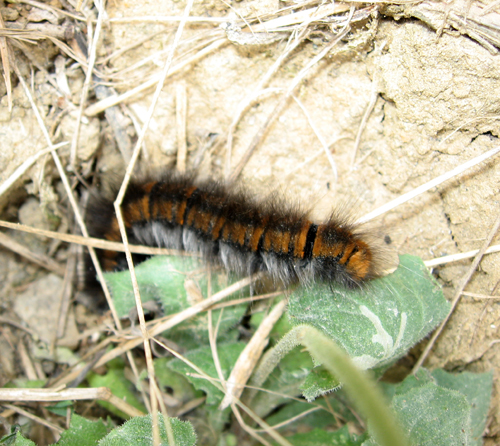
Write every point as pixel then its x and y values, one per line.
pixel 138 432
pixel 319 382
pixel 83 432
pixel 434 416
pixel 120 386
pixel 319 437
pixel 326 414
pixel 421 378
pixel 180 388
pixel 176 283
pixel 21 441
pixel 469 419
pixel 202 357
pixel 379 323
pixel 359 385
pixel 477 388
pixel 210 424
pixel 285 381
pixel 60 408
pixel 16 439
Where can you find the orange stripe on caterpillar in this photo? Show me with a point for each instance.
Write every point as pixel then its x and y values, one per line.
pixel 243 234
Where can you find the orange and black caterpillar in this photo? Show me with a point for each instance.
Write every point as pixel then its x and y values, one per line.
pixel 237 231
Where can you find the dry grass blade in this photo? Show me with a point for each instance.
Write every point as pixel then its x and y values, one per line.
pixel 100 106
pixel 176 319
pixel 7 184
pixel 29 415
pixel 27 363
pixel 86 84
pixel 275 435
pixel 69 193
pixel 458 294
pixel 324 145
pixel 466 17
pixel 123 233
pixel 49 395
pixel 302 18
pixel 181 118
pixel 479 296
pixel 254 96
pixel 259 136
pixel 38 258
pixel 250 356
pixel 293 419
pixel 429 185
pixel 67 292
pixel 91 242
pixel 457 257
pixel 4 53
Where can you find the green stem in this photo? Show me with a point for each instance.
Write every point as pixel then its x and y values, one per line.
pixel 364 392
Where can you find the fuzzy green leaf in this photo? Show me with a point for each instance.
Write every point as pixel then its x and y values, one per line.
pixel 202 357
pixel 15 438
pixel 441 408
pixel 434 416
pixel 319 382
pixel 83 432
pixel 176 283
pixel 120 386
pixel 379 323
pixel 477 388
pixel 319 437
pixel 21 441
pixel 286 380
pixel 138 432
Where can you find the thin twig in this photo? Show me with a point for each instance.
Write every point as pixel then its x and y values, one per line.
pixel 247 428
pixel 29 415
pixel 86 85
pixel 480 296
pixel 458 295
pixel 50 395
pixel 5 56
pixel 38 258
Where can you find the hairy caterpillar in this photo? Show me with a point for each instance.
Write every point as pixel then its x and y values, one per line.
pixel 243 234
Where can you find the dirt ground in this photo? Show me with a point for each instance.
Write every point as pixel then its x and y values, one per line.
pixel 436 104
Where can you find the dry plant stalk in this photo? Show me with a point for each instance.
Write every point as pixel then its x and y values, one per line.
pixel 458 294
pixel 250 355
pixel 52 395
